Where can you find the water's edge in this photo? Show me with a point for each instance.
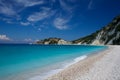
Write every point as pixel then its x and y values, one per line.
pixel 66 55
pixel 55 71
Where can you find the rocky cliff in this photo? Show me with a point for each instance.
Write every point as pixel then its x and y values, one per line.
pixel 53 41
pixel 108 35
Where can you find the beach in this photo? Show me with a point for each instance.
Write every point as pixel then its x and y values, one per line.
pixel 104 65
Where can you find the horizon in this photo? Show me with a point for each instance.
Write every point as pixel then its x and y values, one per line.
pixel 29 21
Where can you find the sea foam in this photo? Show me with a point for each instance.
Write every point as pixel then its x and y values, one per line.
pixel 52 72
pixel 80 58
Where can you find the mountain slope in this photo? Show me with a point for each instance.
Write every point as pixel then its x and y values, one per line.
pixel 110 35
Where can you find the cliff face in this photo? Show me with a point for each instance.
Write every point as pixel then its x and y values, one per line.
pixel 53 41
pixel 110 35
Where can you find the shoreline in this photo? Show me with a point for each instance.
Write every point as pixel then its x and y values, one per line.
pixel 43 73
pixel 66 65
pixel 57 70
pixel 83 67
pixel 35 75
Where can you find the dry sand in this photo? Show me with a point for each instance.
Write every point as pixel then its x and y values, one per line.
pixel 102 66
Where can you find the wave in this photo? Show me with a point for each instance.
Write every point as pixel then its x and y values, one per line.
pixel 55 71
pixel 80 58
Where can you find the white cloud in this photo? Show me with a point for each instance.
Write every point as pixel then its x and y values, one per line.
pixel 61 23
pixel 25 23
pixel 65 6
pixel 7 9
pixel 28 3
pixel 41 15
pixel 37 16
pixel 4 37
pixel 28 40
pixel 90 4
pixel 7 20
pixel 11 9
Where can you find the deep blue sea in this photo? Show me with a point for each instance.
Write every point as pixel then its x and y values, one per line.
pixel 17 58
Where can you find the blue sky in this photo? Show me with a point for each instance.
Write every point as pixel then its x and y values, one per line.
pixel 31 20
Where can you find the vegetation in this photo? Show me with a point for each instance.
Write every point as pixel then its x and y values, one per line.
pixel 49 40
pixel 105 36
pixel 90 38
pixel 118 28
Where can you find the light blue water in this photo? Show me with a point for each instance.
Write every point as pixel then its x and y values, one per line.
pixel 15 58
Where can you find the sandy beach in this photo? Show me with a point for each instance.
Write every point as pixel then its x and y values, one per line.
pixel 102 66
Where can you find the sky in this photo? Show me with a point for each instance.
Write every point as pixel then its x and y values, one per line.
pixel 32 20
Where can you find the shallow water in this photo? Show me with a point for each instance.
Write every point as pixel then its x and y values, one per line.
pixel 17 58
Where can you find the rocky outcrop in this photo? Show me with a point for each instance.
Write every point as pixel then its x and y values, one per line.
pixel 54 41
pixel 110 35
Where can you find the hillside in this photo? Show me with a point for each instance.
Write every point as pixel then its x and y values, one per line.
pixel 53 41
pixel 108 35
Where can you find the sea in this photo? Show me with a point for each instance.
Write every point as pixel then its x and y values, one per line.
pixel 37 62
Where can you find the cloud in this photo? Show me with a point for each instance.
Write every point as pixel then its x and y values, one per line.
pixel 12 7
pixel 90 4
pixel 25 23
pixel 47 12
pixel 69 4
pixel 61 23
pixel 28 3
pixel 28 40
pixel 17 6
pixel 65 6
pixel 6 9
pixel 7 20
pixel 37 16
pixel 4 37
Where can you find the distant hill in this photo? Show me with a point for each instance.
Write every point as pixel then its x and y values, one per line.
pixel 108 35
pixel 53 41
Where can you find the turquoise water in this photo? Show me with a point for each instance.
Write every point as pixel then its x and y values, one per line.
pixel 15 58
